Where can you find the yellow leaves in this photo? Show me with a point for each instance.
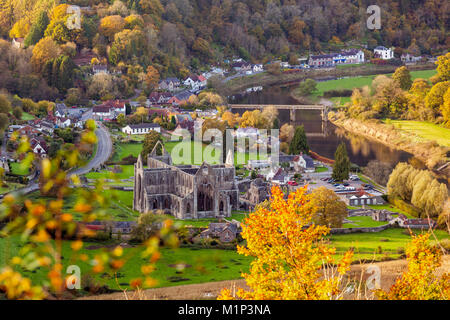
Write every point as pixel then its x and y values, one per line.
pixel 419 282
pixel 76 245
pixel 66 217
pixel 46 168
pixel 41 236
pixel 288 252
pixel 17 287
pixel 118 251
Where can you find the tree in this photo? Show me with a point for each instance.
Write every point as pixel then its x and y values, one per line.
pixel 150 141
pixel 17 112
pixel 435 97
pixel 287 133
pixel 151 77
pixel 419 281
pixel 111 25
pixel 288 253
pixel 329 209
pixel 341 166
pixel 4 121
pixel 45 50
pixel 443 67
pixel 270 113
pixel 445 107
pixel 5 104
pixel 37 30
pixel 402 77
pixel 307 87
pixel 299 142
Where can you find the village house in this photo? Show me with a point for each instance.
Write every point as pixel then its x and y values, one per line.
pixel 18 42
pixel 39 146
pixel 195 82
pixel 170 84
pixel 109 110
pixel 181 98
pixel 224 231
pixel 100 68
pixel 361 199
pixel 141 128
pixel 383 53
pixel 303 163
pixel 257 164
pixel 158 98
pixel 258 192
pixel 277 176
pixel 241 66
pixel 322 60
pixel 403 222
pixel 409 58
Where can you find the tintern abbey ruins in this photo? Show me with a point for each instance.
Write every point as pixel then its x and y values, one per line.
pixel 184 191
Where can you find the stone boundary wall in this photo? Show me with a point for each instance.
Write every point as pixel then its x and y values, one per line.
pixel 359 230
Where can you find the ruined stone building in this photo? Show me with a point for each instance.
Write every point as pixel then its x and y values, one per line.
pixel 185 191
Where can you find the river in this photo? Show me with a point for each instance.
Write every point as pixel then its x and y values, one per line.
pixel 323 136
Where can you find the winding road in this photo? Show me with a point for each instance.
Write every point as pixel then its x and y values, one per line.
pixel 104 149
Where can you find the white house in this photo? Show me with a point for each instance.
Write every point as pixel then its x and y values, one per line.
pixel 141 128
pixel 257 68
pixel 383 53
pixel 195 82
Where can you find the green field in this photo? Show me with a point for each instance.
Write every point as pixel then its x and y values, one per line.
pixel 363 221
pixel 18 169
pixel 205 265
pixel 26 116
pixel 425 131
pixel 127 173
pixel 359 82
pixel 121 204
pixel 10 186
pixel 366 244
pixel 123 150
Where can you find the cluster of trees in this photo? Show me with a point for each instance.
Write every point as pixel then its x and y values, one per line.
pixel 265 119
pixel 419 188
pixel 400 97
pixel 173 36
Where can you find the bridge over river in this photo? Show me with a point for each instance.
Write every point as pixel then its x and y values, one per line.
pixel 292 112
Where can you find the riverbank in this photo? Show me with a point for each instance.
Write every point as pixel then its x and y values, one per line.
pixel 266 79
pixel 429 152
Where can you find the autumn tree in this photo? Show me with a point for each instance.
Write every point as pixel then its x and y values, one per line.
pixel 232 119
pixel 151 77
pixel 402 78
pixel 150 141
pixel 270 113
pixel 110 25
pixel 329 209
pixel 443 67
pixel 288 252
pixel 287 133
pixel 435 97
pixel 341 166
pixel 45 50
pixel 419 281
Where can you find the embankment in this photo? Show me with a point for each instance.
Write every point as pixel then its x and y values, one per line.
pixel 430 153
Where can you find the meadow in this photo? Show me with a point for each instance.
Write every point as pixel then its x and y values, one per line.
pixel 425 131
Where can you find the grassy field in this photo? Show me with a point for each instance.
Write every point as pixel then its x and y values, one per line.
pixel 359 82
pixel 360 222
pixel 127 173
pixel 205 265
pixel 10 186
pixel 26 116
pixel 120 210
pixel 123 150
pixel 425 131
pixel 236 215
pixel 16 168
pixel 376 245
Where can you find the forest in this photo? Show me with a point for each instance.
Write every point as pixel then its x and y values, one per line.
pixel 145 40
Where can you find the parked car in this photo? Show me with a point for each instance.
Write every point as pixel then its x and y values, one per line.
pixel 340 187
pixel 346 184
pixel 292 183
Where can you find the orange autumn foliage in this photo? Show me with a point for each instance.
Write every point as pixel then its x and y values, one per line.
pixel 288 251
pixel 419 281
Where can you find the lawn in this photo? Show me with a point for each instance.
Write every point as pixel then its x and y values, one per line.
pixel 26 116
pixel 202 265
pixel 236 215
pixel 424 130
pixel 10 186
pixel 123 150
pixel 127 173
pixel 366 245
pixel 321 169
pixel 358 82
pixel 18 169
pixel 363 221
pixel 206 265
pixel 121 204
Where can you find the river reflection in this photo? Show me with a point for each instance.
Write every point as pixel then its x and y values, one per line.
pixel 323 136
